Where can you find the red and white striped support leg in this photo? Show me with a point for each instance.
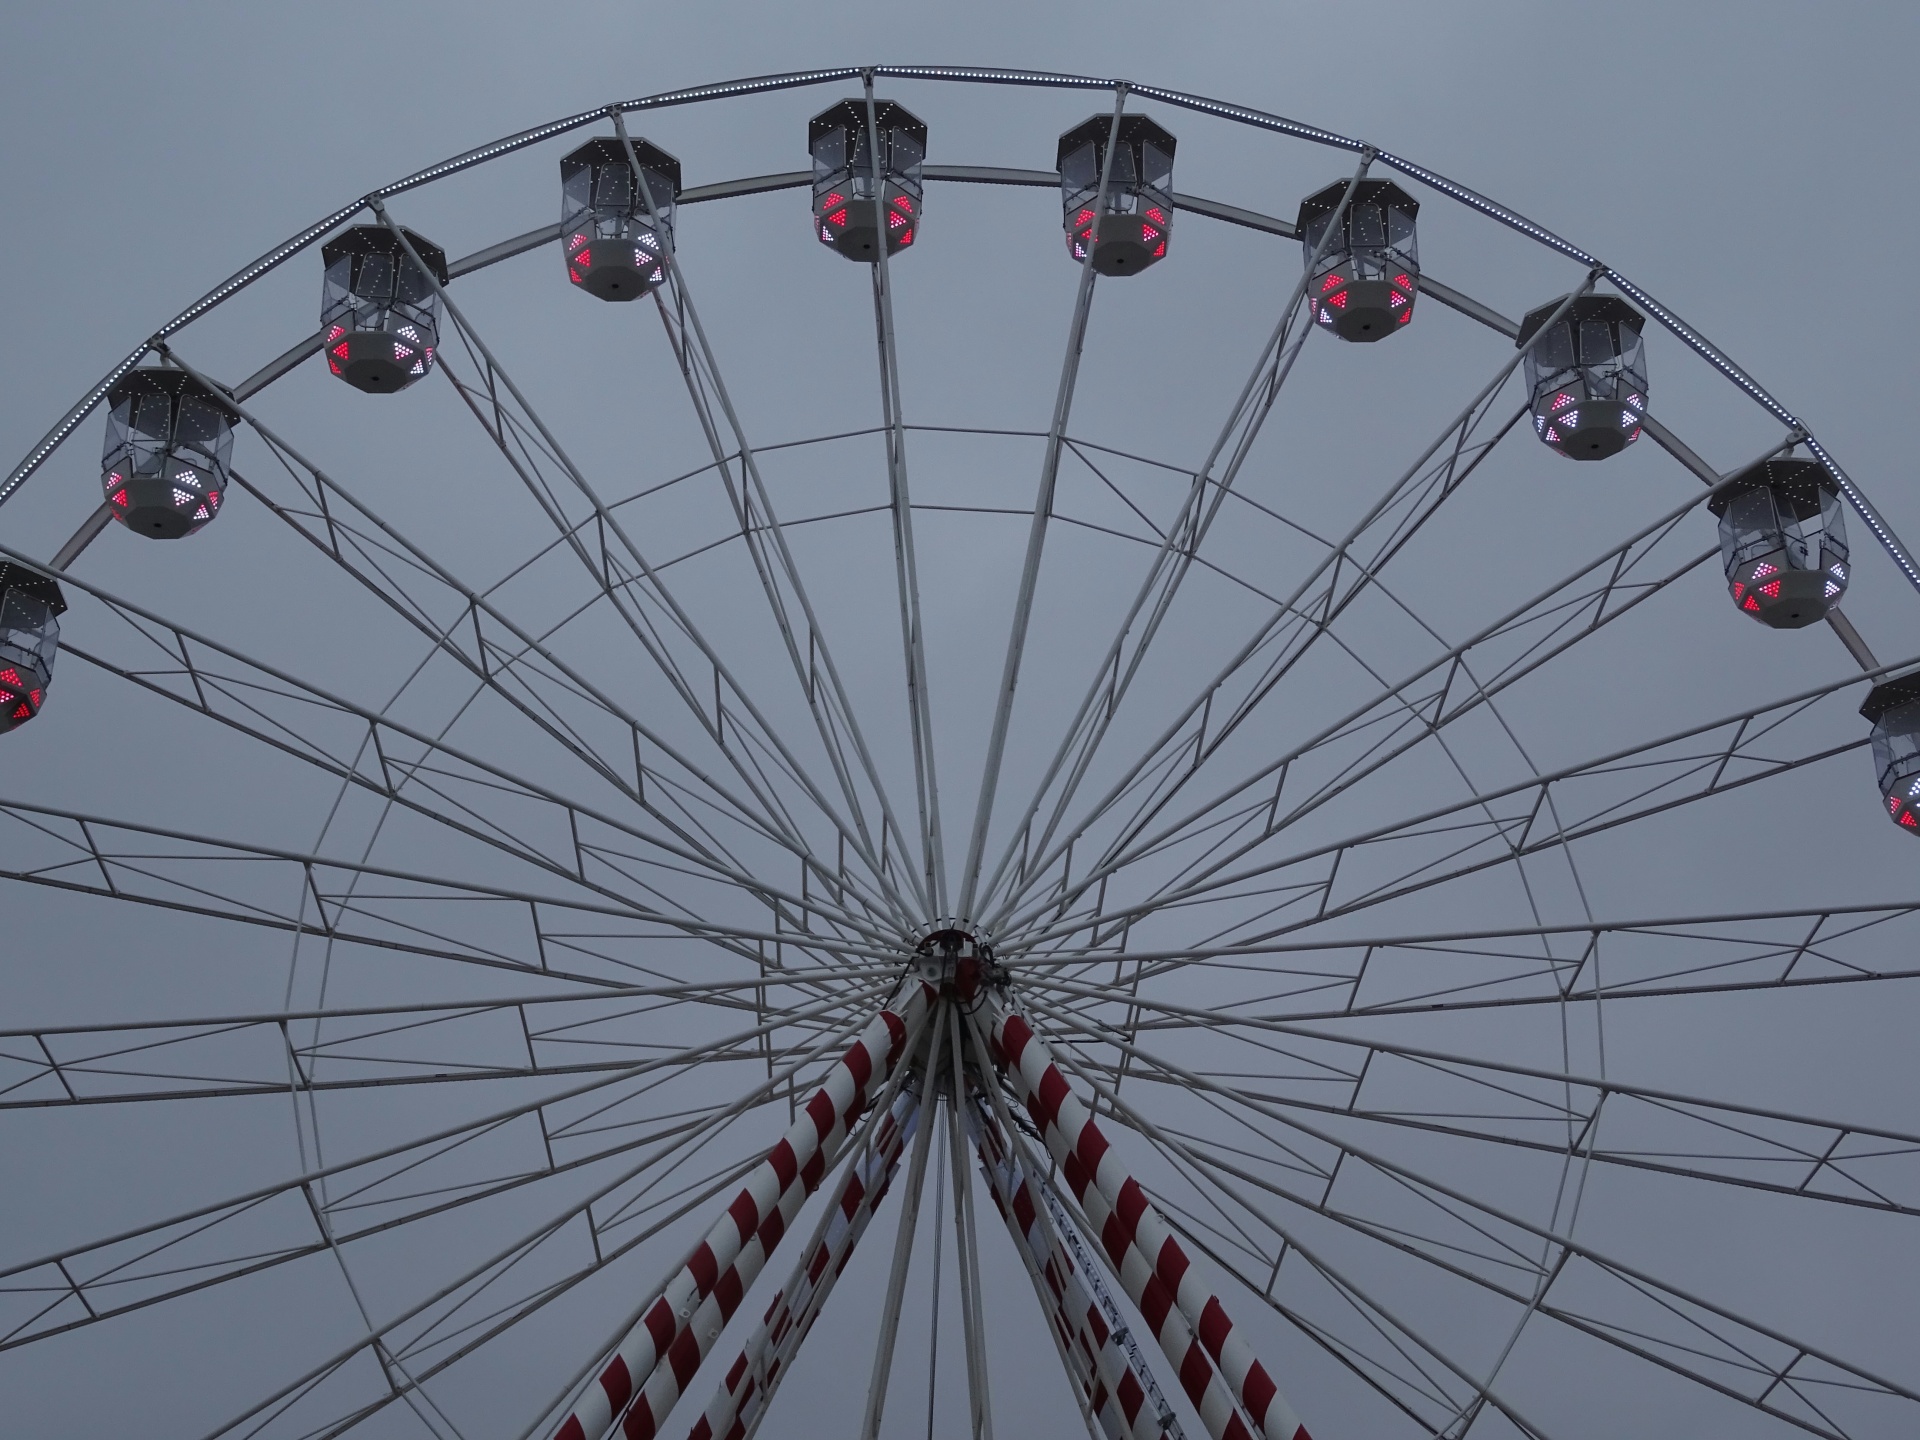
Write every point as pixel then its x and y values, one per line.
pixel 752 1226
pixel 768 1353
pixel 1154 1270
pixel 1115 1391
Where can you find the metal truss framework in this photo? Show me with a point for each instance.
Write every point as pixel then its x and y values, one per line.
pixel 719 865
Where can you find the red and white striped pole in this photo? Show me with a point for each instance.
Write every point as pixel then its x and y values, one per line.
pixel 1115 1391
pixel 674 1333
pixel 1192 1325
pixel 753 1376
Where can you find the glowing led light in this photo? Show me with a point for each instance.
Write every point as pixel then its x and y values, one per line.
pixel 906 237
pixel 1771 589
pixel 1157 215
pixel 1763 569
pixel 23 713
pixel 1913 790
pixel 1397 301
pixel 1739 589
pixel 1636 402
pixel 1832 590
pixel 1571 419
pixel 183 497
pixel 1839 572
pixel 1553 436
pixel 1752 604
pixel 1628 419
pixel 894 222
pixel 1083 217
pixel 401 352
pixel 213 498
pixel 333 365
pixel 839 217
pixel 901 202
pixel 1562 400
pixel 584 259
pixel 1404 283
pixel 1339 300
pixel 418 369
pixel 1332 282
pixel 1325 318
pixel 1147 233
pixel 576 241
pixel 1160 253
pixel 335 333
pixel 341 350
pixel 7 698
pixel 120 498
pixel 36 696
pixel 203 513
pixel 408 332
pixel 1405 315
pixel 836 198
pixel 12 677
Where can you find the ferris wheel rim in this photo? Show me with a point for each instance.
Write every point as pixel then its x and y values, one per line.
pixel 1258 119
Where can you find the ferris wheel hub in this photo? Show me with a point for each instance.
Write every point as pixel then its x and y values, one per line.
pixel 956 955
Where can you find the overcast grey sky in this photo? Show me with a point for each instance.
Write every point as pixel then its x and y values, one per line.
pixel 1751 166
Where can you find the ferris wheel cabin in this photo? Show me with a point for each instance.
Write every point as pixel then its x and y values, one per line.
pixel 1363 284
pixel 1586 375
pixel 847 180
pixel 617 233
pixel 380 311
pixel 164 467
pixel 1783 541
pixel 1894 708
pixel 30 610
pixel 1129 231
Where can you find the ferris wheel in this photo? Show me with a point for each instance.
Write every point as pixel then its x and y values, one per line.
pixel 1088 819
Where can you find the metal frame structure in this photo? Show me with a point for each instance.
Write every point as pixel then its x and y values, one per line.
pixel 705 907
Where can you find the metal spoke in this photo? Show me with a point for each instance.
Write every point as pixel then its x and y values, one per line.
pixel 889 1330
pixel 142 1061
pixel 1795 1364
pixel 143 1257
pixel 514 664
pixel 692 339
pixel 905 556
pixel 1037 531
pixel 1686 766
pixel 1658 1130
pixel 412 768
pixel 1179 548
pixel 494 419
pixel 1292 639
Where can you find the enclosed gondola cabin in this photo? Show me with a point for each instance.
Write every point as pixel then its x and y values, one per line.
pixel 616 234
pixel 30 610
pixel 381 312
pixel 847 177
pixel 1894 708
pixel 1363 283
pixel 1586 375
pixel 1129 231
pixel 166 461
pixel 1783 541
